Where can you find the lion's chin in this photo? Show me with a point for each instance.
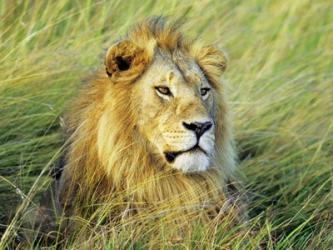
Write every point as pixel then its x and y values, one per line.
pixel 190 162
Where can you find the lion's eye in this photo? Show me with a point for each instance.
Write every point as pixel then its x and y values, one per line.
pixel 204 91
pixel 163 90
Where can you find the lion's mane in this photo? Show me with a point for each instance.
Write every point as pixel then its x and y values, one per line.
pixel 110 163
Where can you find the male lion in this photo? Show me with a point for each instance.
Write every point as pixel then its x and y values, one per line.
pixel 150 130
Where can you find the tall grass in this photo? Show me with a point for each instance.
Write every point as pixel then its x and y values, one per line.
pixel 281 91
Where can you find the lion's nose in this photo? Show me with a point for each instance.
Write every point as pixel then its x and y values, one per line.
pixel 198 127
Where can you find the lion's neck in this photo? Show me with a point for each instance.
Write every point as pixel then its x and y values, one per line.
pixel 146 178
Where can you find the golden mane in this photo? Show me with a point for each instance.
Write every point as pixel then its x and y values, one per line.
pixel 107 160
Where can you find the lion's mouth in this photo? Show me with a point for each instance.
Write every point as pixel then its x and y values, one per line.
pixel 171 156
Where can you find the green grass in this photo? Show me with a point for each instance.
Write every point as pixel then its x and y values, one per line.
pixel 281 92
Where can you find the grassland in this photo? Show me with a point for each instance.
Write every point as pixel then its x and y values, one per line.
pixel 281 91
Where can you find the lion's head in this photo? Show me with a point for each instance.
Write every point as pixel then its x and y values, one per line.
pixel 153 122
pixel 174 95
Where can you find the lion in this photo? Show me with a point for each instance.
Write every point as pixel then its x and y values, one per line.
pixel 150 129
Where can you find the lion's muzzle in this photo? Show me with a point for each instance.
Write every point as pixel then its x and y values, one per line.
pixel 192 148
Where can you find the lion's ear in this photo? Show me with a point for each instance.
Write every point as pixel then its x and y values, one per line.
pixel 211 60
pixel 125 61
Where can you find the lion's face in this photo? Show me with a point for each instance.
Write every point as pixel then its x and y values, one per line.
pixel 173 104
pixel 177 113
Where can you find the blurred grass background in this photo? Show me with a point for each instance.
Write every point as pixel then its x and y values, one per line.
pixel 281 92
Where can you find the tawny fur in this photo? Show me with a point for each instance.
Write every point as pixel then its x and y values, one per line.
pixel 109 160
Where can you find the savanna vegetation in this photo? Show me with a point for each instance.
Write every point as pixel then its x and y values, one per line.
pixel 280 78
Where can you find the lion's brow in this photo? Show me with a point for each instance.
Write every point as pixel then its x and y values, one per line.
pixel 191 77
pixel 187 69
